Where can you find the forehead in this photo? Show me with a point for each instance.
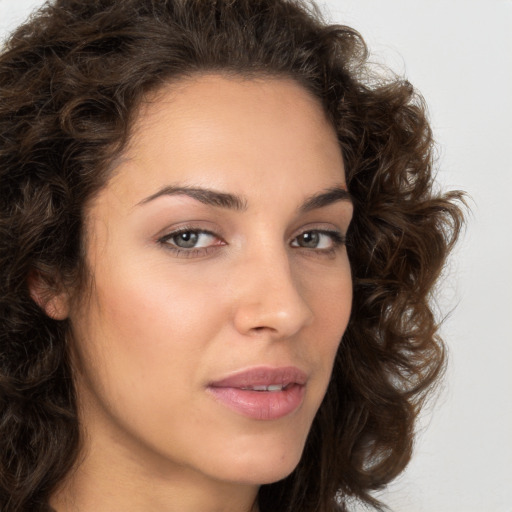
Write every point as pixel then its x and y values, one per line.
pixel 233 133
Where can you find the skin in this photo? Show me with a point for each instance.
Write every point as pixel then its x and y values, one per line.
pixel 157 326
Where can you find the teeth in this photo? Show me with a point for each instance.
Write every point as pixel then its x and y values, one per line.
pixel 273 387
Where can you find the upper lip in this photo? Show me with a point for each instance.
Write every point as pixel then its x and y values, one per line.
pixel 263 376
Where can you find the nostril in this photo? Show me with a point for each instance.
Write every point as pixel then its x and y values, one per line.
pixel 262 328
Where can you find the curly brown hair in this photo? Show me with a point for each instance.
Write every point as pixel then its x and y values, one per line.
pixel 71 81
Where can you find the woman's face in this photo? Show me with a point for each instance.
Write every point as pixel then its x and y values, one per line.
pixel 221 285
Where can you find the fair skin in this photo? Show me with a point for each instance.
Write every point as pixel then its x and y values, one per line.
pixel 190 288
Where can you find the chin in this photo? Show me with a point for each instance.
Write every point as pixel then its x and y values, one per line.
pixel 272 475
pixel 264 464
pixel 264 474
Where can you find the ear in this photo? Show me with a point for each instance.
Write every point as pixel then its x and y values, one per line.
pixel 51 297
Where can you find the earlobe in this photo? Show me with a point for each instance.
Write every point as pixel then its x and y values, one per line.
pixel 52 298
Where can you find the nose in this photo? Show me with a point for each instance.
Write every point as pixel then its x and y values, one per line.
pixel 269 299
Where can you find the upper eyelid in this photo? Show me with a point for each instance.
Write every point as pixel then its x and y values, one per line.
pixel 320 229
pixel 297 233
pixel 169 232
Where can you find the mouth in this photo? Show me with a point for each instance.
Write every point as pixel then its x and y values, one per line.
pixel 262 393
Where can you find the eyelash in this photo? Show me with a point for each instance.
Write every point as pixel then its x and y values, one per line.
pixel 338 240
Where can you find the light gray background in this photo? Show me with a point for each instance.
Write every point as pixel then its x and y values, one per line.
pixel 459 55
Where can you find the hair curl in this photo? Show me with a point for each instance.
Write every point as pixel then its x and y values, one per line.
pixel 71 80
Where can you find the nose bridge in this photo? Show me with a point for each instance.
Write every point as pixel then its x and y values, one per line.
pixel 270 296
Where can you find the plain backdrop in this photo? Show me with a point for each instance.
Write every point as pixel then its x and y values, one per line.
pixel 458 53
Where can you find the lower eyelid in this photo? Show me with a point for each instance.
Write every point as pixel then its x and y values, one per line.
pixel 194 252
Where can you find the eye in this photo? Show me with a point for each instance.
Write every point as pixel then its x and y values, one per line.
pixel 319 240
pixel 190 241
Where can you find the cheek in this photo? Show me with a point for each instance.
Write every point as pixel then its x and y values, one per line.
pixel 156 304
pixel 329 295
pixel 142 333
pixel 335 309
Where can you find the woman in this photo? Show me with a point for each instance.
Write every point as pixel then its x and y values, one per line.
pixel 219 241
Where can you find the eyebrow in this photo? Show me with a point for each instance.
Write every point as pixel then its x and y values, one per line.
pixel 325 198
pixel 204 195
pixel 239 203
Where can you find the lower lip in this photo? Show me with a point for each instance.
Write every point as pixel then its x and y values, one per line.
pixel 261 405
